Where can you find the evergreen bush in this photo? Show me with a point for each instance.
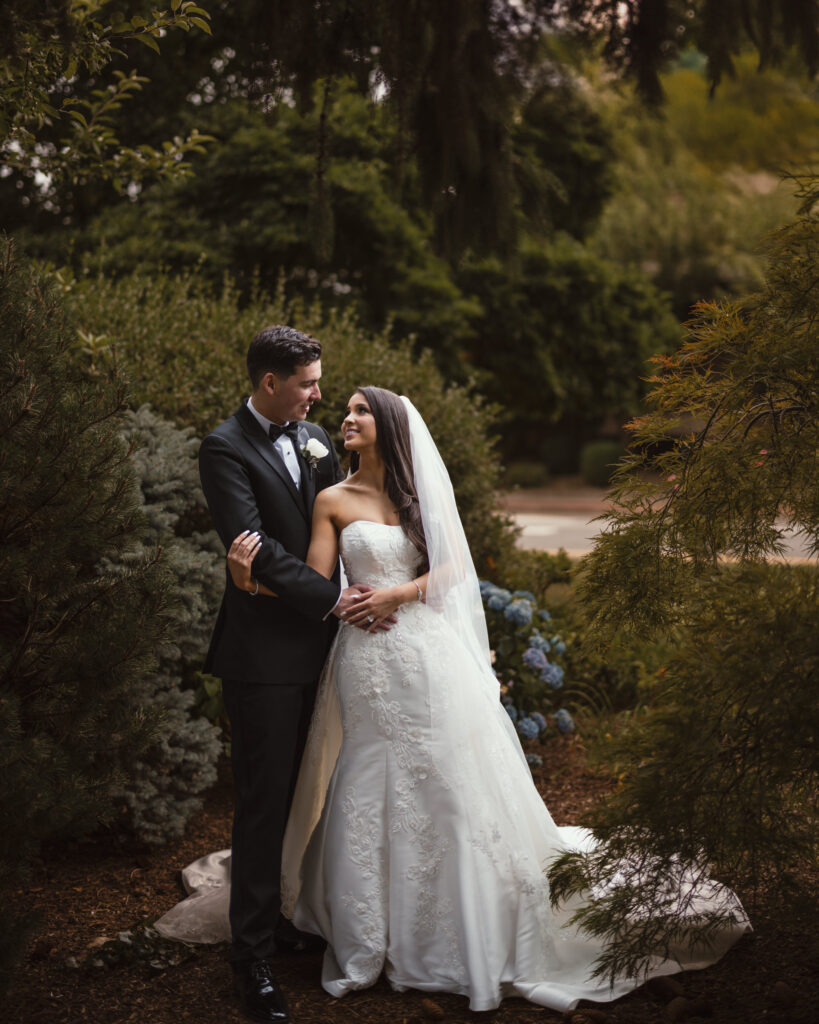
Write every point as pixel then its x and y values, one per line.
pixel 166 781
pixel 598 460
pixel 721 771
pixel 184 349
pixel 77 633
pixel 536 571
pixel 526 474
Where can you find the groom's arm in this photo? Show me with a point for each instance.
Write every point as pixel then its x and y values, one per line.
pixel 233 508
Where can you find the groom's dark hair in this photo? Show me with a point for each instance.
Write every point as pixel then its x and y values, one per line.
pixel 280 350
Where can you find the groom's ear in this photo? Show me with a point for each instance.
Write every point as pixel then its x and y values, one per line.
pixel 269 383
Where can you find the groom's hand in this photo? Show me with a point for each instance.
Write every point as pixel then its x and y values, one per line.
pixel 347 602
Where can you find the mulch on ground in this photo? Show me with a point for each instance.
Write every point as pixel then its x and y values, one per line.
pixel 89 892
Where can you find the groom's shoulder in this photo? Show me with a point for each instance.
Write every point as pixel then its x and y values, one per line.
pixel 224 437
pixel 230 429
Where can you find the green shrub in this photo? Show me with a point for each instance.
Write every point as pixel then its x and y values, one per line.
pixel 83 607
pixel 184 350
pixel 536 571
pixel 166 780
pixel 599 680
pixel 598 460
pixel 526 474
pixel 721 772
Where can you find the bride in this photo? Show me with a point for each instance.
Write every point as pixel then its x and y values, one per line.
pixel 417 843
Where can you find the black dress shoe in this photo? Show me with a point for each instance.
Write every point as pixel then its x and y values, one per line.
pixel 262 999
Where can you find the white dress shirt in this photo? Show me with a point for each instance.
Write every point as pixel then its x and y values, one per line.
pixel 283 445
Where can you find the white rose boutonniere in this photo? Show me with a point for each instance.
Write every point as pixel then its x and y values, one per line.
pixel 313 450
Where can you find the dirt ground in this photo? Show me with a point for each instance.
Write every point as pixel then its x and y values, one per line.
pixel 86 893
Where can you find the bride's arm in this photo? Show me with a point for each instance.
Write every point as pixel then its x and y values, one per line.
pixel 321 556
pixel 240 559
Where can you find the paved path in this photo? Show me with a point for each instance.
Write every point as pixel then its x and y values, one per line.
pixel 575 531
pixel 550 531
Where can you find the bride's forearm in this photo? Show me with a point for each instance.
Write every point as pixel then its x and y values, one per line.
pixel 415 590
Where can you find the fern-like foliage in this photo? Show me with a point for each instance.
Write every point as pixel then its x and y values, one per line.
pixel 719 774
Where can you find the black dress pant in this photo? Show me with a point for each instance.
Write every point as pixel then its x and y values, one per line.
pixel 269 724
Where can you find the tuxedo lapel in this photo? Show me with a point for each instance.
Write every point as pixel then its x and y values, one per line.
pixel 308 472
pixel 264 446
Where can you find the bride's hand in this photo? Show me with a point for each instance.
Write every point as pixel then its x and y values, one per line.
pixel 240 558
pixel 375 611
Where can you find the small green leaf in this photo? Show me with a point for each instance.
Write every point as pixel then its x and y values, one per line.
pixel 149 41
pixel 201 23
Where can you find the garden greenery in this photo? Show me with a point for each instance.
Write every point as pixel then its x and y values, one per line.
pixel 721 770
pixel 183 348
pixel 84 606
pixel 166 780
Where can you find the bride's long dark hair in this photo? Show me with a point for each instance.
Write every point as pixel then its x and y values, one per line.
pixel 393 439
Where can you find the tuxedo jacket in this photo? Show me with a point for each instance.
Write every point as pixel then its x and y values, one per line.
pixel 282 639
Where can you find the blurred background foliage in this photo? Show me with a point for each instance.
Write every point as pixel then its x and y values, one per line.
pixel 533 223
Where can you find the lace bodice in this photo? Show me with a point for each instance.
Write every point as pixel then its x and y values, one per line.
pixel 377 554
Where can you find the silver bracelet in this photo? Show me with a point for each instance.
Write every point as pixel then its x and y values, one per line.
pixel 420 595
pixel 253 593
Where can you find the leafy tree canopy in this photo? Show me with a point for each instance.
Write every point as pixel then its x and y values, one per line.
pixel 453 86
pixel 57 114
pixel 453 75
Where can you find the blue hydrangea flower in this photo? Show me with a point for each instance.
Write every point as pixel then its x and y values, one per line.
pixel 534 658
pixel 540 643
pixel 528 729
pixel 552 675
pixel 534 760
pixel 558 645
pixel 545 616
pixel 539 719
pixel 486 587
pixel 511 710
pixel 498 599
pixel 563 721
pixel 519 613
pixel 527 595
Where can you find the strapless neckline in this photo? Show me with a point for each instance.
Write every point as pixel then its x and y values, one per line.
pixel 368 522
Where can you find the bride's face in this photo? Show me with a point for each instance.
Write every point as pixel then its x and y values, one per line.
pixel 358 425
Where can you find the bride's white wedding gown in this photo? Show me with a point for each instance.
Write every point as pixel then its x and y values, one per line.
pixel 428 848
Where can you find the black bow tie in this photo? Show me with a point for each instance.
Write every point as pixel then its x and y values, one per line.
pixel 291 429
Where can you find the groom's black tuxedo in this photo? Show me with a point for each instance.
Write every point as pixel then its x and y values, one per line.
pixel 248 487
pixel 268 651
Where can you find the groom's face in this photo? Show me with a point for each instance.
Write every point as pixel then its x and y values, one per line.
pixel 292 396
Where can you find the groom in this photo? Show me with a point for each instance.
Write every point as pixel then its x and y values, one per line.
pixel 261 471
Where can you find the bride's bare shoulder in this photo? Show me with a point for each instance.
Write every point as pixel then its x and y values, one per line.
pixel 334 499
